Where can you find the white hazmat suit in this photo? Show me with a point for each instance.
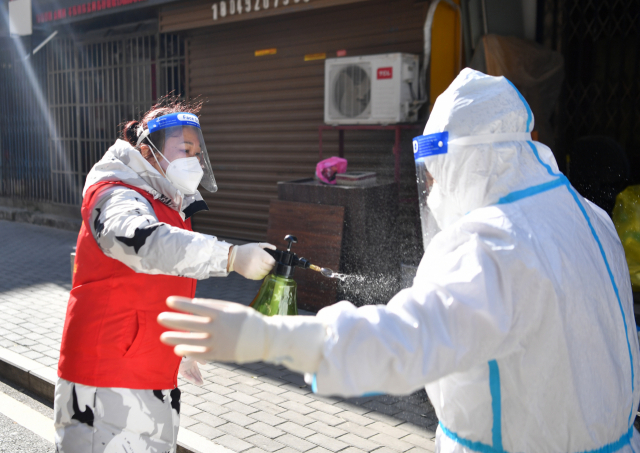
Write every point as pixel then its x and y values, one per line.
pixel 520 319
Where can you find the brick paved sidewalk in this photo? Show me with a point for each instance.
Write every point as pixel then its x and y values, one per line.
pixel 251 409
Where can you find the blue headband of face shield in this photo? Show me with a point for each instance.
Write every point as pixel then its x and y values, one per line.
pixel 438 143
pixel 173 119
pixel 430 145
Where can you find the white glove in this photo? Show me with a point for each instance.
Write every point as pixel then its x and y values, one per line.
pixel 250 261
pixel 190 371
pixel 230 332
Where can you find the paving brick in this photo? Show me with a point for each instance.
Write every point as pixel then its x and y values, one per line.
pixel 242 397
pixel 185 421
pixel 327 442
pixel 32 354
pixel 417 430
pixel 416 419
pixel 382 408
pixel 217 388
pixel 189 410
pixel 53 353
pixel 387 429
pixel 325 429
pixel 297 418
pixel 359 442
pixel 193 389
pixel 265 387
pixel 240 407
pixel 328 399
pixel 270 397
pixel 205 430
pixel 209 419
pixel 391 442
pixel 233 443
pixel 352 450
pixel 324 407
pixel 293 396
pixel 265 429
pixel 430 447
pixel 47 361
pixel 297 407
pixel 38 347
pixel 19 349
pixel 268 418
pixel 271 380
pixel 299 389
pixel 190 399
pixel 212 408
pixel 356 429
pixel 215 398
pixel 268 407
pixel 238 418
pixel 295 442
pixel 255 450
pixel 217 371
pixel 243 388
pixel 246 380
pixel 331 420
pixel 235 430
pixel 319 450
pixel 264 442
pixel 418 441
pixel 360 410
pixel 296 430
pixel 389 420
pixel 220 380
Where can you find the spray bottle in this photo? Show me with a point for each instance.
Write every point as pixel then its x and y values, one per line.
pixel 278 293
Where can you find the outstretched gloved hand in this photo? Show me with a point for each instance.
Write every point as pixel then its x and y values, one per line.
pixel 230 332
pixel 251 261
pixel 190 371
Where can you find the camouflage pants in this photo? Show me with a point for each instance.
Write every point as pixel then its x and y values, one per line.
pixel 104 420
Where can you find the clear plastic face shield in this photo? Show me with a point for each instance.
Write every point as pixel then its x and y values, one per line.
pixel 433 203
pixel 180 151
pixel 423 147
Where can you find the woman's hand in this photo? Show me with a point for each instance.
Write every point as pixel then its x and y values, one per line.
pixel 251 261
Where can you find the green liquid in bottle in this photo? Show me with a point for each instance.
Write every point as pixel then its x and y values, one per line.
pixel 277 296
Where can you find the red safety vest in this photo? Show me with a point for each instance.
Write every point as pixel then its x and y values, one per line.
pixel 111 336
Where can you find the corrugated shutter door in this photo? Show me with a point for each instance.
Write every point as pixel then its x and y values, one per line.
pixel 262 116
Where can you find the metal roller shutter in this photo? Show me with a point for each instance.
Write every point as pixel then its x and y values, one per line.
pixel 262 116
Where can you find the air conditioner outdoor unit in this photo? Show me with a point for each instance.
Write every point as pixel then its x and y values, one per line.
pixel 372 89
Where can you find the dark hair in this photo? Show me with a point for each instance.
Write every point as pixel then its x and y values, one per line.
pixel 165 105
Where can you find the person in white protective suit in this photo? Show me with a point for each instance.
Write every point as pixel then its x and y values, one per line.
pixel 519 322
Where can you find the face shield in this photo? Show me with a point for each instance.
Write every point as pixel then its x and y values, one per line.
pixel 425 146
pixel 437 208
pixel 178 146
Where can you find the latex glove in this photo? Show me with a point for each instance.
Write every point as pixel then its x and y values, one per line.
pixel 230 332
pixel 251 261
pixel 190 371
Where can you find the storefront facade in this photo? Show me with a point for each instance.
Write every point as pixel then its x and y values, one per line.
pixel 262 76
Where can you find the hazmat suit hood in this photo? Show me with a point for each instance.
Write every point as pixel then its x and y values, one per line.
pixel 468 177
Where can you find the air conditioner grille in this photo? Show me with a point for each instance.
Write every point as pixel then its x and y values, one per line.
pixel 352 91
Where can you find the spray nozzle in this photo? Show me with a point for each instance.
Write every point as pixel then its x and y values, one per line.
pixel 287 261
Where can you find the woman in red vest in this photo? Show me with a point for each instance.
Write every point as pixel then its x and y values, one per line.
pixel 117 387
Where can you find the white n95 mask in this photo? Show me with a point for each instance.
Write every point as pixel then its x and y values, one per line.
pixel 185 174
